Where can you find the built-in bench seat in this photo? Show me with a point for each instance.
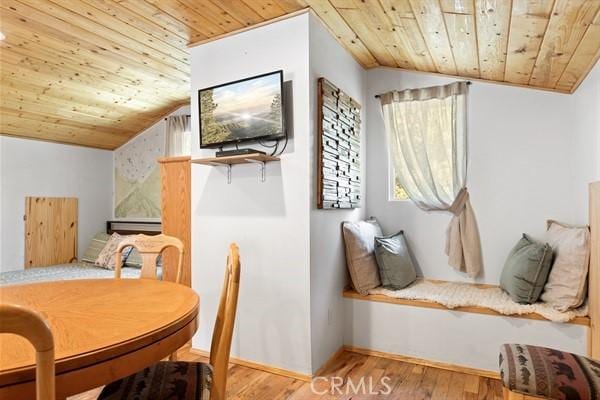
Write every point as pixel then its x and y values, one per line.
pixel 376 296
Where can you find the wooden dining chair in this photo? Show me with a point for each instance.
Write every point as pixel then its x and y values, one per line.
pixel 190 380
pixel 150 248
pixel 29 324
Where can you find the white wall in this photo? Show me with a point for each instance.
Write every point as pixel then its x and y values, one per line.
pixel 532 154
pixel 586 105
pixel 453 337
pixel 328 274
pixel 269 220
pixel 35 168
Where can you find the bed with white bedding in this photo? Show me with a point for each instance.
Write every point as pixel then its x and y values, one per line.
pixel 63 272
pixel 86 269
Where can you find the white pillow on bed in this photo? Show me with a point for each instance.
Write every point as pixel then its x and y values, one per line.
pixel 106 258
pixel 566 285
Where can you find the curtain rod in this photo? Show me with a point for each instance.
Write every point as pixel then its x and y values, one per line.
pixel 378 95
pixel 188 115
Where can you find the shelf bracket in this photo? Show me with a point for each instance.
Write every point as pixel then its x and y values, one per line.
pixel 262 167
pixel 217 164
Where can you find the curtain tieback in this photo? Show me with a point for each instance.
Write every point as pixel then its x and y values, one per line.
pixel 459 203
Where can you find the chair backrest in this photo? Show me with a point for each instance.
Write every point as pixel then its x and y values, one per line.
pixel 223 330
pixel 150 248
pixel 29 324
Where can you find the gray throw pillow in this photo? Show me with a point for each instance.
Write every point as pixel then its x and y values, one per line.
pixel 526 270
pixel 396 268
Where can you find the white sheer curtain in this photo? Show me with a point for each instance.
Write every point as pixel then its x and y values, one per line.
pixel 178 136
pixel 427 137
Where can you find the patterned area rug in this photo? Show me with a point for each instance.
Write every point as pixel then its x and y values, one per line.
pixel 456 294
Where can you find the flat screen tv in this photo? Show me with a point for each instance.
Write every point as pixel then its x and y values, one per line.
pixel 250 109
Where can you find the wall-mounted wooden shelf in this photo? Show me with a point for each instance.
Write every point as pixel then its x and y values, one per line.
pixel 260 159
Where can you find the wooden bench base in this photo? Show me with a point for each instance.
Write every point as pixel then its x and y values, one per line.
pixel 510 395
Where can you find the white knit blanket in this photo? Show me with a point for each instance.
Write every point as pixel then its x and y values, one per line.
pixel 455 294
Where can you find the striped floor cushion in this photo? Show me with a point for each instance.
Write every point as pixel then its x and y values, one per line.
pixel 167 380
pixel 548 373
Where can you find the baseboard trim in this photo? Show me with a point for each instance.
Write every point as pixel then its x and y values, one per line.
pixel 330 361
pixel 367 352
pixel 427 363
pixel 258 366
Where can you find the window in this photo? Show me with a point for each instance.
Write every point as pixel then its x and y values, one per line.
pixel 396 191
pixel 178 136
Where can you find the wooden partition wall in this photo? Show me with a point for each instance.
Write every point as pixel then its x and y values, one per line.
pixel 594 276
pixel 175 177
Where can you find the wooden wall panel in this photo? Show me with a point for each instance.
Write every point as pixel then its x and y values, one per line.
pixel 594 277
pixel 50 231
pixel 175 177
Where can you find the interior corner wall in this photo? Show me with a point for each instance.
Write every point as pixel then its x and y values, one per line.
pixel 586 105
pixel 532 154
pixel 268 220
pixel 328 274
pixel 36 168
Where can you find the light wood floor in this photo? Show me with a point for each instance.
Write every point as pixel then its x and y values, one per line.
pixel 407 381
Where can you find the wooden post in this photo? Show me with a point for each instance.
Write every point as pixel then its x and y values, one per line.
pixel 175 176
pixel 594 275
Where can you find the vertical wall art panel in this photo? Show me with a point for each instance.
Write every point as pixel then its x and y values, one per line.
pixel 137 176
pixel 338 159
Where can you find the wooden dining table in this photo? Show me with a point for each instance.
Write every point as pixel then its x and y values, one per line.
pixel 104 330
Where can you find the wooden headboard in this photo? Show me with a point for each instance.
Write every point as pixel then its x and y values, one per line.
pixel 133 227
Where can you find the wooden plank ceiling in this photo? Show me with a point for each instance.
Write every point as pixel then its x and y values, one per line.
pixel 96 72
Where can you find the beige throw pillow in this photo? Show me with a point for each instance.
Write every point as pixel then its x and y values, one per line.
pixel 106 258
pixel 566 286
pixel 359 238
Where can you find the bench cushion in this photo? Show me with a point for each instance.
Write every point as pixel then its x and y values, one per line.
pixel 548 373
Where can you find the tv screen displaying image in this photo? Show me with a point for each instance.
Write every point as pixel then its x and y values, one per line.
pixel 244 110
